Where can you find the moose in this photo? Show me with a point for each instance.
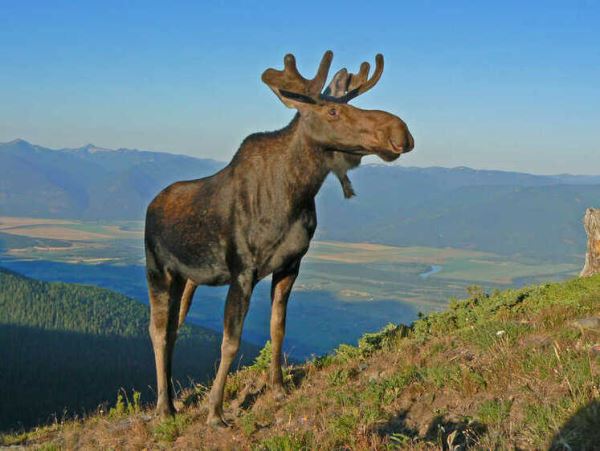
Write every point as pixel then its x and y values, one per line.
pixel 256 216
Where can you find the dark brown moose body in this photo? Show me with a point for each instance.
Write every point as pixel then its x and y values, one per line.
pixel 257 216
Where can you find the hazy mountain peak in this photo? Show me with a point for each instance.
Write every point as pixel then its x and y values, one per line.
pixel 19 143
pixel 93 148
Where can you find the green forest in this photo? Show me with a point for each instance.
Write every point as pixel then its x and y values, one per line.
pixel 67 349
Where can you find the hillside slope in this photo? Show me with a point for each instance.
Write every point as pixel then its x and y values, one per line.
pixel 68 348
pixel 512 369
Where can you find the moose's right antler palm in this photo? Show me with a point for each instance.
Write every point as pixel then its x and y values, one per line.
pixel 289 83
pixel 346 86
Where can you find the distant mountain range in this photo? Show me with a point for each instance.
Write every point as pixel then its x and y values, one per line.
pixel 88 182
pixel 509 213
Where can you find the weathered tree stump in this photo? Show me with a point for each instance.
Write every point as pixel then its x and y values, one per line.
pixel 591 222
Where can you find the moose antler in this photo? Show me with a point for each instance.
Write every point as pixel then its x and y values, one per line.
pixel 289 83
pixel 346 86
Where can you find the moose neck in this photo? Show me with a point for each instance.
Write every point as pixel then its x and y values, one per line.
pixel 288 157
pixel 305 161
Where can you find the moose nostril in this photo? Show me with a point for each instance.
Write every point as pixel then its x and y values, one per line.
pixel 410 142
pixel 400 138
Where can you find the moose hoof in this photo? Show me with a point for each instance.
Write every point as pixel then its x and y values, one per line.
pixel 217 422
pixel 165 410
pixel 278 393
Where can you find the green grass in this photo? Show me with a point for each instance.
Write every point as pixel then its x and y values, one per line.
pixel 494 411
pixel 171 428
pixel 286 442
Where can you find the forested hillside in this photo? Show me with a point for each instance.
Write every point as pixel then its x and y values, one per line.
pixel 68 348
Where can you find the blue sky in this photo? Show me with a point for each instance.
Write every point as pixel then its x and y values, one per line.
pixel 505 85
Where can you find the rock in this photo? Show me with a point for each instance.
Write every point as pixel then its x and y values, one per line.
pixel 373 376
pixel 123 424
pixel 591 322
pixel 595 350
pixel 535 341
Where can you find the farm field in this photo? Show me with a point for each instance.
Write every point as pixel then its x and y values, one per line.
pixel 121 242
pixel 118 242
pixel 368 271
pixel 352 271
pixel 344 289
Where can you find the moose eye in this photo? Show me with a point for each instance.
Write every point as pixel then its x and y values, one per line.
pixel 332 112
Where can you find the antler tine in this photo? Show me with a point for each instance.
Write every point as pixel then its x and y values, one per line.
pixel 317 83
pixel 360 78
pixel 289 65
pixel 368 84
pixel 289 79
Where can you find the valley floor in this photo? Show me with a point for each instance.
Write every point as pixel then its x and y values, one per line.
pixel 344 289
pixel 515 369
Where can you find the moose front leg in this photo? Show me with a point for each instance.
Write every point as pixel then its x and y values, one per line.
pixel 165 294
pixel 236 307
pixel 281 287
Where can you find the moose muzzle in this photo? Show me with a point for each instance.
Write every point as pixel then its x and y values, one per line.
pixel 396 139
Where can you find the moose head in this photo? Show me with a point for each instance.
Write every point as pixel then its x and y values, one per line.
pixel 349 133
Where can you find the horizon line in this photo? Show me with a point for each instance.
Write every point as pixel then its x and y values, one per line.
pixel 398 164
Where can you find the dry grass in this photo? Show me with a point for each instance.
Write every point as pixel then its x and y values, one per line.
pixel 493 372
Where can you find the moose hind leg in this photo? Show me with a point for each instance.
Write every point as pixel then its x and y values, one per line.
pixel 236 307
pixel 281 288
pixel 165 296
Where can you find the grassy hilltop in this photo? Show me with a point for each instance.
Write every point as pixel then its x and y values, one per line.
pixel 504 370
